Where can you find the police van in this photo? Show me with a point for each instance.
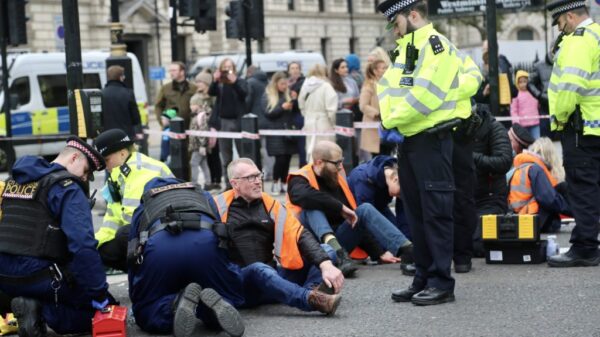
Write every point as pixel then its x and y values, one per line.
pixel 268 62
pixel 38 87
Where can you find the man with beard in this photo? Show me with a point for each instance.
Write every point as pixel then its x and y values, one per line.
pixel 319 195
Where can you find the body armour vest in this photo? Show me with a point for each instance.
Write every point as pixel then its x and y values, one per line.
pixel 27 227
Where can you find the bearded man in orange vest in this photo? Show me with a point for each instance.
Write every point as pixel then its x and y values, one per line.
pixel 319 195
pixel 281 262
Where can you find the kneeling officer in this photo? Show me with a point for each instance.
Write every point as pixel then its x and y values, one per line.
pixel 48 258
pixel 177 272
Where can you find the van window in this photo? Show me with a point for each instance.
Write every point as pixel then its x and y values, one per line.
pixel 54 88
pixel 20 87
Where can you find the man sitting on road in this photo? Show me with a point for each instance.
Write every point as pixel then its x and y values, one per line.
pixel 319 195
pixel 255 223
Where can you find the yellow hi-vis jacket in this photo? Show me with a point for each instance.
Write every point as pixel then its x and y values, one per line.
pixel 132 178
pixel 575 80
pixel 439 88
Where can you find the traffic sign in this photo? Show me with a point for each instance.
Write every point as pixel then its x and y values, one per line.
pixel 157 73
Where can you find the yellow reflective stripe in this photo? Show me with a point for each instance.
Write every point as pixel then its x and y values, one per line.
pixel 423 109
pixel 279 229
pixel 432 88
pixel 566 87
pixel 110 224
pixel 519 204
pixel 128 218
pixel 575 71
pixel 130 202
pixel 221 204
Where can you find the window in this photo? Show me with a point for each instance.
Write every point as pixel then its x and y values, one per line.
pixel 525 34
pixel 295 43
pixel 54 88
pixel 20 92
pixel 291 6
pixel 321 6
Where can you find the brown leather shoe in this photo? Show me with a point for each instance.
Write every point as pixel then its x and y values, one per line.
pixel 324 303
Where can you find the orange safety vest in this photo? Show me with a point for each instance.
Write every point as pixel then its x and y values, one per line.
pixel 287 228
pixel 520 198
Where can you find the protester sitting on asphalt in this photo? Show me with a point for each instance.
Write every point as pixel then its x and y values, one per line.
pixel 520 138
pixel 178 275
pixel 298 272
pixel 320 197
pixel 376 182
pixel 535 186
pixel 49 264
pixel 129 171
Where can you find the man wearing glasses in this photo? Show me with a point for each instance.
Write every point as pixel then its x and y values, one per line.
pixel 320 197
pixel 298 272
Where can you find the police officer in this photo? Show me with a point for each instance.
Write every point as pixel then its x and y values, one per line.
pixel 48 258
pixel 574 102
pixel 129 170
pixel 424 95
pixel 178 274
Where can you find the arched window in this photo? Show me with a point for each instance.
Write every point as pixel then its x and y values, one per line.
pixel 525 34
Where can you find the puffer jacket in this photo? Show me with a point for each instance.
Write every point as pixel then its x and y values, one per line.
pixel 256 89
pixel 279 119
pixel 539 79
pixel 492 155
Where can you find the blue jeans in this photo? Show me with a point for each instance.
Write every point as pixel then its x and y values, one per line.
pixel 369 218
pixel 264 284
pixel 534 131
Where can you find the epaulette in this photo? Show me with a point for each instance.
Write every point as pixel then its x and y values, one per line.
pixel 66 182
pixel 436 44
pixel 579 31
pixel 125 169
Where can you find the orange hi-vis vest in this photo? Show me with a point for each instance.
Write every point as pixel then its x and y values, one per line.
pixel 287 228
pixel 308 173
pixel 520 198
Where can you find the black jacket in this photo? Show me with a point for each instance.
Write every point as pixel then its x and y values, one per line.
pixel 119 109
pixel 256 89
pixel 296 108
pixel 539 79
pixel 230 102
pixel 252 233
pixel 279 119
pixel 492 154
pixel 504 67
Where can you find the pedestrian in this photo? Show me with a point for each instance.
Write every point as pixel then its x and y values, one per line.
pixel 295 82
pixel 230 105
pixel 49 264
pixel 119 107
pixel 318 103
pixel 370 141
pixel 201 106
pixel 129 170
pixel 525 105
pixel 379 53
pixel 165 140
pixel 424 106
pixel 257 83
pixel 298 272
pixel 179 276
pixel 574 100
pixel 175 94
pixel 354 70
pixel 539 79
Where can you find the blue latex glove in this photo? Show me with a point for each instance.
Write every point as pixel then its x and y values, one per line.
pixel 390 136
pixel 100 305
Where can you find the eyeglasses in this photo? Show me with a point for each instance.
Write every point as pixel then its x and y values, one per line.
pixel 337 163
pixel 252 178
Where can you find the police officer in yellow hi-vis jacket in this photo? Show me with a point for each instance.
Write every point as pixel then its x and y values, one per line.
pixel 424 95
pixel 129 171
pixel 574 102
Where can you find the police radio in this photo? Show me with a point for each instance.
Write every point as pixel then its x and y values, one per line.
pixel 412 55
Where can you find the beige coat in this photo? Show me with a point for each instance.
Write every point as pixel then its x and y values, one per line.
pixel 369 105
pixel 318 103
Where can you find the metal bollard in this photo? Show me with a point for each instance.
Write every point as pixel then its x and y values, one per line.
pixel 251 147
pixel 344 119
pixel 180 163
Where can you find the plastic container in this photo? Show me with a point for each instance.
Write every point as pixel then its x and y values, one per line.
pixel 552 248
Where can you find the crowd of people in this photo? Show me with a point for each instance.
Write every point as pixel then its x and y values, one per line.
pixel 192 256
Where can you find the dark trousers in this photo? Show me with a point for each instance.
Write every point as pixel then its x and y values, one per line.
pixel 214 165
pixel 582 168
pixel 114 252
pixel 281 167
pixel 465 210
pixel 425 170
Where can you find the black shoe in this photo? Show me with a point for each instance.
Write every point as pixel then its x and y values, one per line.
pixel 28 313
pixel 345 264
pixel 227 316
pixel 432 296
pixel 571 259
pixel 408 269
pixel 325 289
pixel 405 295
pixel 462 268
pixel 185 320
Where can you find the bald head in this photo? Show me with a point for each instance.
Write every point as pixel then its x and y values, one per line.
pixel 326 150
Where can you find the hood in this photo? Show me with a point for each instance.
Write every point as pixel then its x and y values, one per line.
pixel 353 62
pixel 260 76
pixel 521 73
pixel 312 83
pixel 31 168
pixel 375 171
pixel 504 64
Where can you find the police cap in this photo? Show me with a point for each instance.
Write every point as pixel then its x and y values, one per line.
pixel 559 7
pixel 111 141
pixel 95 160
pixel 390 8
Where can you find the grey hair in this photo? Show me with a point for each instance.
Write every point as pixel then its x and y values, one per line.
pixel 234 163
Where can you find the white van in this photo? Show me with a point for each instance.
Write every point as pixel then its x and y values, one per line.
pixel 269 62
pixel 38 83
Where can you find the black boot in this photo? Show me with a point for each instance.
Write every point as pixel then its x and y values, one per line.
pixel 28 313
pixel 185 304
pixel 345 264
pixel 227 316
pixel 407 262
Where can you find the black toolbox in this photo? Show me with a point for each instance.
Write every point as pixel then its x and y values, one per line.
pixel 518 252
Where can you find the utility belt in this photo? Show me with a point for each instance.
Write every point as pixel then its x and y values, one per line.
pixel 441 129
pixel 52 273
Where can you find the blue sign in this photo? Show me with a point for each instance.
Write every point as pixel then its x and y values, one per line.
pixel 157 73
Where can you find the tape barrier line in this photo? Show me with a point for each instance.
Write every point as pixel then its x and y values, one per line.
pixel 511 118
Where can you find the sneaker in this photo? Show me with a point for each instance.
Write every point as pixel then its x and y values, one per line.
pixel 227 316
pixel 345 264
pixel 185 320
pixel 28 313
pixel 276 188
pixel 324 303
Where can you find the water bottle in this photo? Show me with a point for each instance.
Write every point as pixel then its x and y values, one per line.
pixel 552 247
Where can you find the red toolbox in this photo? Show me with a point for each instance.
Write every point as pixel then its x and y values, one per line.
pixel 110 322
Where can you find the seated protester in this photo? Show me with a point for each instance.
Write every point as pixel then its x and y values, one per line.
pixel 256 223
pixel 493 158
pixel 520 138
pixel 129 171
pixel 49 264
pixel 319 195
pixel 534 185
pixel 376 182
pixel 178 275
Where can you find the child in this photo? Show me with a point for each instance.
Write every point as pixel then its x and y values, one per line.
pixel 200 147
pixel 164 144
pixel 525 105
